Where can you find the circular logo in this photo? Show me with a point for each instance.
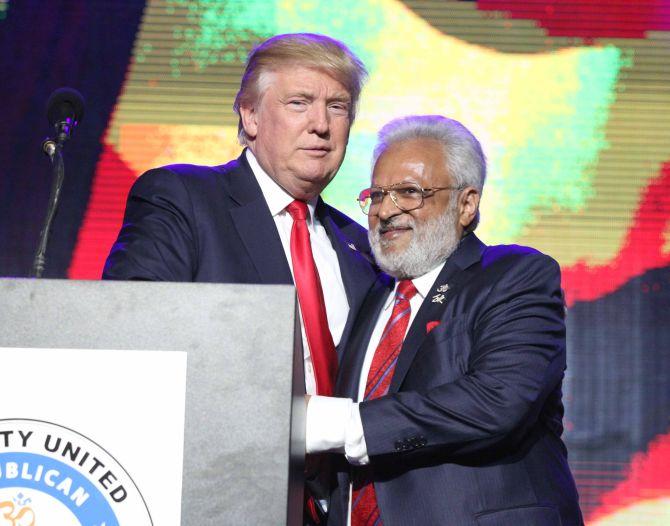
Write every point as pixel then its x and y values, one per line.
pixel 50 474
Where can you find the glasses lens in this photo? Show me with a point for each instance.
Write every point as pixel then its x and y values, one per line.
pixel 408 196
pixel 364 200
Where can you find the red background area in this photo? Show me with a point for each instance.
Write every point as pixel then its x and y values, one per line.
pixel 589 18
pixel 642 249
pixel 102 221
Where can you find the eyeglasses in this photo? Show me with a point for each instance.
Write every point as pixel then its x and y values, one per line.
pixel 406 196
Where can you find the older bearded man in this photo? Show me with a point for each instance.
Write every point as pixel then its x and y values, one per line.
pixel 450 389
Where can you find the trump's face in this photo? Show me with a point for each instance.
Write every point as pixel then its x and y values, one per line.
pixel 299 128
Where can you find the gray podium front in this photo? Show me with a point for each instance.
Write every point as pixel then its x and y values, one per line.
pixel 244 405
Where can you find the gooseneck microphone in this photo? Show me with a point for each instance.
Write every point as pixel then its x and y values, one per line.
pixel 65 110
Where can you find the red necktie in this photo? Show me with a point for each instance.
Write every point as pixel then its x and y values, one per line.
pixel 312 306
pixel 364 509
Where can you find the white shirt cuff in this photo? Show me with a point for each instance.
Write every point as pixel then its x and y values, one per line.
pixel 327 419
pixel 355 449
pixel 334 425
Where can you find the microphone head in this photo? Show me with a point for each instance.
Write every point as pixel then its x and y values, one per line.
pixel 63 104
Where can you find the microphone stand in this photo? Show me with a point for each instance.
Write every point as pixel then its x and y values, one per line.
pixel 54 149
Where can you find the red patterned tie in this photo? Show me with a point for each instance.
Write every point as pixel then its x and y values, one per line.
pixel 312 306
pixel 364 510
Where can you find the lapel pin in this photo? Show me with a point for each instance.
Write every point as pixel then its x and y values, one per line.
pixel 443 288
pixel 438 298
pixel 352 246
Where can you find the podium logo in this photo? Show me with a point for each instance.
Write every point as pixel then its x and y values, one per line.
pixel 50 474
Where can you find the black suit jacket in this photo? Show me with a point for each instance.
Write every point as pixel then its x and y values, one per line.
pixel 469 433
pixel 212 224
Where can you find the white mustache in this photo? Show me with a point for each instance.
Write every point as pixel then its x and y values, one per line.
pixel 392 223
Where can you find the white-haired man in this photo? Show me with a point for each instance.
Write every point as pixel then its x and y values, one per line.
pixel 449 408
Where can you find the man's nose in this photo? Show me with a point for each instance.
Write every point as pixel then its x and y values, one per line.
pixel 387 208
pixel 318 121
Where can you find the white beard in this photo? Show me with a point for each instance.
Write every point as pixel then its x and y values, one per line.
pixel 433 241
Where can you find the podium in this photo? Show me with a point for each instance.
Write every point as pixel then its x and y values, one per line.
pixel 151 401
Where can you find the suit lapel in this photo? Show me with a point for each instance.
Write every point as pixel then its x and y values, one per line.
pixel 453 275
pixel 355 268
pixel 256 227
pixel 353 355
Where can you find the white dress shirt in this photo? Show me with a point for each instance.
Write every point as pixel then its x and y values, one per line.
pixel 325 258
pixel 334 424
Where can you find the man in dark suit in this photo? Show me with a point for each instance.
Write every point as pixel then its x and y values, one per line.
pixel 229 223
pixel 448 399
pixel 259 219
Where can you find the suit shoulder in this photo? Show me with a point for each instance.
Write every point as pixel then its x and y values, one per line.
pixel 512 254
pixel 192 178
pixel 515 267
pixel 194 172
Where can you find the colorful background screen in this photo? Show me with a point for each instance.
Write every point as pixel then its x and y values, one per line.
pixel 571 100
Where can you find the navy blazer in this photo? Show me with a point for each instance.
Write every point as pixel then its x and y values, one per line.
pixel 469 433
pixel 212 224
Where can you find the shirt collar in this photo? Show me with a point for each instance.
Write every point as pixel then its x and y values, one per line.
pixel 275 196
pixel 423 285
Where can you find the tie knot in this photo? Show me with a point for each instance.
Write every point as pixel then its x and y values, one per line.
pixel 406 290
pixel 298 210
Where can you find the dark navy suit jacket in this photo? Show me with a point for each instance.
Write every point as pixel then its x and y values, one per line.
pixel 212 224
pixel 469 433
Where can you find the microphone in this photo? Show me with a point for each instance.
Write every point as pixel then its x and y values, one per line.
pixel 65 110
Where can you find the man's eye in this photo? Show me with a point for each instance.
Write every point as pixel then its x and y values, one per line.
pixel 376 197
pixel 340 109
pixel 408 191
pixel 297 103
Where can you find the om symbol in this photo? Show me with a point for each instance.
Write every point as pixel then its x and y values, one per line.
pixel 10 516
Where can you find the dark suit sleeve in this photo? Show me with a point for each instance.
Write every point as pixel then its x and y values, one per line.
pixel 517 359
pixel 157 240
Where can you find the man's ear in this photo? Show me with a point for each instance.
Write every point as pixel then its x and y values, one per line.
pixel 468 205
pixel 249 117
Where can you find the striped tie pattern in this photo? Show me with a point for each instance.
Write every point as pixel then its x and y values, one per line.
pixel 364 509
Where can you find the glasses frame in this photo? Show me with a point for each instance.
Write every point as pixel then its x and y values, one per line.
pixel 390 190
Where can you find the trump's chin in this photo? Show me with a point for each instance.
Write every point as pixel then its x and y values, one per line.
pixel 304 185
pixel 311 179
